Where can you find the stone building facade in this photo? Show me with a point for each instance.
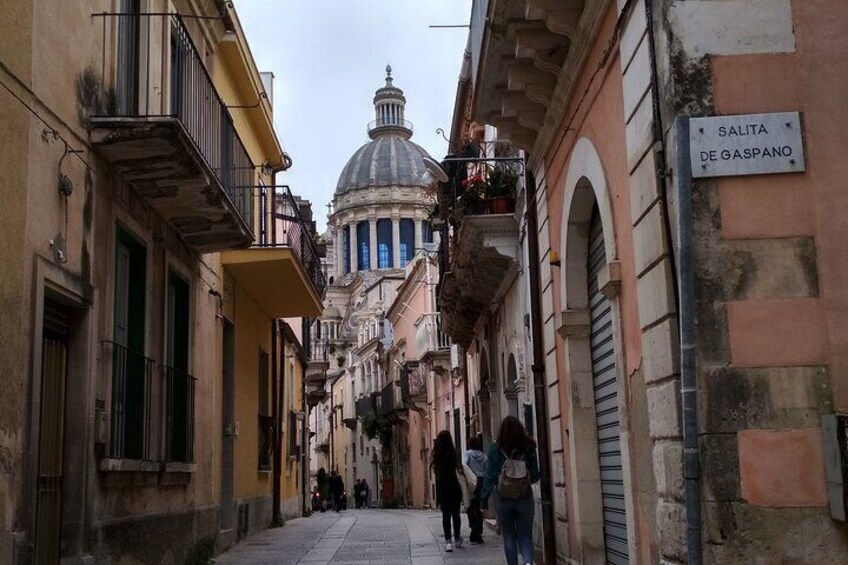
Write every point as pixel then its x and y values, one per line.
pixel 139 342
pixel 597 95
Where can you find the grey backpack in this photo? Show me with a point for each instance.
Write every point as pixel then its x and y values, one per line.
pixel 514 479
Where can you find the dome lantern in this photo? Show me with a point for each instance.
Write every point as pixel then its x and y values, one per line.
pixel 389 111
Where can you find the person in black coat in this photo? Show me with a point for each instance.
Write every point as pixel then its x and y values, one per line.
pixel 445 465
pixel 336 490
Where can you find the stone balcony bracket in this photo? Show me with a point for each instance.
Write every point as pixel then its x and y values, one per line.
pixel 484 265
pixel 575 322
pixel 533 53
pixel 609 279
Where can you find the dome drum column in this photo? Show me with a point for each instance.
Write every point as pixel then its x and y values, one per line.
pixel 372 227
pixel 419 236
pixel 396 242
pixel 354 246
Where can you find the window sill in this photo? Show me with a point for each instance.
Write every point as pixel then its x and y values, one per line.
pixel 129 466
pixel 174 467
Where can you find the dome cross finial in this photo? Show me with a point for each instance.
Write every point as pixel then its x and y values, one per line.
pixel 388 70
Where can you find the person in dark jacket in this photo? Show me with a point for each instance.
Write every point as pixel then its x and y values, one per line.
pixel 448 490
pixel 336 490
pixel 365 493
pixel 323 484
pixel 515 515
pixel 475 459
pixel 357 492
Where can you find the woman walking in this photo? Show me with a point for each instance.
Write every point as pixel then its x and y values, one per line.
pixel 510 470
pixel 448 490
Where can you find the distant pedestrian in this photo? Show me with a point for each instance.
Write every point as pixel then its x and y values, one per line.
pixel 475 459
pixel 445 465
pixel 336 490
pixel 323 487
pixel 357 492
pixel 365 492
pixel 511 469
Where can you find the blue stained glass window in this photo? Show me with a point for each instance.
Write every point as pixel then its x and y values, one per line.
pixel 407 241
pixel 363 244
pixel 384 244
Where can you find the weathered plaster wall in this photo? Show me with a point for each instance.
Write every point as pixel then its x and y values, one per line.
pixel 770 278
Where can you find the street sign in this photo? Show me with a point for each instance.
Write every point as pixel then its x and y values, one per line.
pixel 749 144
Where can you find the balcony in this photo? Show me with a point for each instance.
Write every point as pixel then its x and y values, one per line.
pixel 367 404
pixel 413 386
pixel 163 126
pixel 282 269
pixel 430 339
pixel 524 57
pixel 483 265
pixel 392 409
pixel 315 375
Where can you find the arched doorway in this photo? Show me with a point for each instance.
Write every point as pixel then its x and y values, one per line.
pixel 594 372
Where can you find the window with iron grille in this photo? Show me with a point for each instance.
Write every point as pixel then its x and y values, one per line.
pixel 132 372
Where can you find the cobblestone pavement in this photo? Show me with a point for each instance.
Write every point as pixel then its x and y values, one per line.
pixel 353 537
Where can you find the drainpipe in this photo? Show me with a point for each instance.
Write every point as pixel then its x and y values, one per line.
pixel 688 376
pixel 539 384
pixel 276 518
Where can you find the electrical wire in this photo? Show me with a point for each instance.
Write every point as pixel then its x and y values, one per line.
pixel 53 131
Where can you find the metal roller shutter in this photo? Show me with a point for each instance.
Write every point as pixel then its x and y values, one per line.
pixel 606 404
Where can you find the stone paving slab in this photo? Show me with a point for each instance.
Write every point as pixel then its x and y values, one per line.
pixel 362 537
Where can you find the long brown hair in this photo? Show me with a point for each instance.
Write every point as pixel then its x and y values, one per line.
pixel 513 437
pixel 444 452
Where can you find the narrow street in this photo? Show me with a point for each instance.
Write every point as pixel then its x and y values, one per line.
pixel 359 537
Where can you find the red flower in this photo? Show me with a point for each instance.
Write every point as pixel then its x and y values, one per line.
pixel 464 183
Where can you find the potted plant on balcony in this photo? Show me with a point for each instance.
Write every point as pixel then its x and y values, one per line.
pixel 472 200
pixel 499 190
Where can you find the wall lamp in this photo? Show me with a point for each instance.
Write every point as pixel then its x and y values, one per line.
pixel 553 259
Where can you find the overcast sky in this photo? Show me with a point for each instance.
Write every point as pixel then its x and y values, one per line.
pixel 329 56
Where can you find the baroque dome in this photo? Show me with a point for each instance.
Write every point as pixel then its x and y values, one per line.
pixel 388 160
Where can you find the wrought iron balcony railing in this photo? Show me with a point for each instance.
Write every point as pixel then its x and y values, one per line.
pixel 277 222
pixel 179 426
pixel 132 404
pixel 388 398
pixel 151 71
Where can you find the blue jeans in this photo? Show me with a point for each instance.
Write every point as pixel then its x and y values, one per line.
pixel 515 518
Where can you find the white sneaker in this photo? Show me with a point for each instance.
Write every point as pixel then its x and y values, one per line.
pixel 448 547
pixel 458 542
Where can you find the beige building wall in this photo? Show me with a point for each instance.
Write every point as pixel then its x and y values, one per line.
pixel 62 249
